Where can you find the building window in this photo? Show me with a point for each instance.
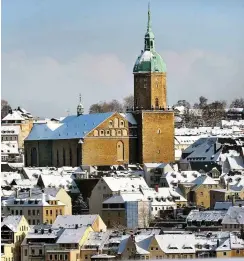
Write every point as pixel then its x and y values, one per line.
pixel 125 132
pixel 16 212
pixel 224 253
pixel 64 158
pixel 101 132
pixel 156 103
pixel 33 212
pixel 38 212
pixel 120 151
pixel 25 252
pixel 70 156
pixel 107 132
pixel 20 212
pixel 116 123
pixel 113 132
pixel 47 212
pixel 32 251
pixel 65 257
pixel 33 157
pixel 119 132
pixel 95 133
pixel 33 222
pixel 158 131
pixel 38 222
pixel 122 124
pixel 57 159
pixel 40 251
pixel 51 212
pixel 110 124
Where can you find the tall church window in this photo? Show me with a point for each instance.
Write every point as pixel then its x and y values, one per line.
pixel 156 103
pixel 64 158
pixel 57 158
pixel 33 157
pixel 70 156
pixel 120 151
pixel 116 123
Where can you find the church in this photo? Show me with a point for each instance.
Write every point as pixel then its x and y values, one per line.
pixel 144 133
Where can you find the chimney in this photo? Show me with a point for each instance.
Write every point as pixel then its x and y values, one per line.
pixel 228 186
pixel 218 243
pixel 242 233
pixel 17 193
pixel 30 193
pixel 43 197
pixel 156 188
pixel 233 199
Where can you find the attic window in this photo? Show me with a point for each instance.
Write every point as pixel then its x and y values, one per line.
pixel 158 131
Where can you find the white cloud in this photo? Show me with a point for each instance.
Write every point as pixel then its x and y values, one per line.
pixel 48 87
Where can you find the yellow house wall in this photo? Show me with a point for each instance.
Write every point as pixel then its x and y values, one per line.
pixel 202 194
pixel 64 197
pixel 102 150
pixel 158 137
pixel 50 217
pixel 112 218
pixel 223 254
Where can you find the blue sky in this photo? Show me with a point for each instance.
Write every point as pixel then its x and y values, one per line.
pixel 54 50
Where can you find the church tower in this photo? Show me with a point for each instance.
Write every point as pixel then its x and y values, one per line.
pixel 149 74
pixel 155 120
pixel 80 108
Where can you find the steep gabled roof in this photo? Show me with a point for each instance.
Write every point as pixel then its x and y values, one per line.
pixel 72 127
pixel 11 222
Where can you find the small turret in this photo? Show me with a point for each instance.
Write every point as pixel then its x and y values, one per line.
pixel 80 108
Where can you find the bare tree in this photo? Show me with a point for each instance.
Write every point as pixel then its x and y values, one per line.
pixel 5 108
pixel 237 103
pixel 100 107
pixel 128 102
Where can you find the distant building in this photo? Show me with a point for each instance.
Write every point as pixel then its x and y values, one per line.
pixel 126 210
pixel 208 153
pixel 234 219
pixel 13 230
pixel 38 207
pixel 20 121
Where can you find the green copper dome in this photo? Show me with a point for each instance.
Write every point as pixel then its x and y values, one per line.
pixel 149 60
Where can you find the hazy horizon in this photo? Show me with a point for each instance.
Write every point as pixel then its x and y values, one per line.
pixel 54 50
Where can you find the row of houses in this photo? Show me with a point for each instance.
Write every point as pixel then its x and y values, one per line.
pixel 87 238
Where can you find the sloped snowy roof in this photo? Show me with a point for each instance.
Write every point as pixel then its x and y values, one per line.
pixel 235 215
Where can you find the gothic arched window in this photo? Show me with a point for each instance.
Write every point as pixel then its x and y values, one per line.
pixel 120 151
pixel 156 103
pixel 64 158
pixel 57 159
pixel 33 157
pixel 70 157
